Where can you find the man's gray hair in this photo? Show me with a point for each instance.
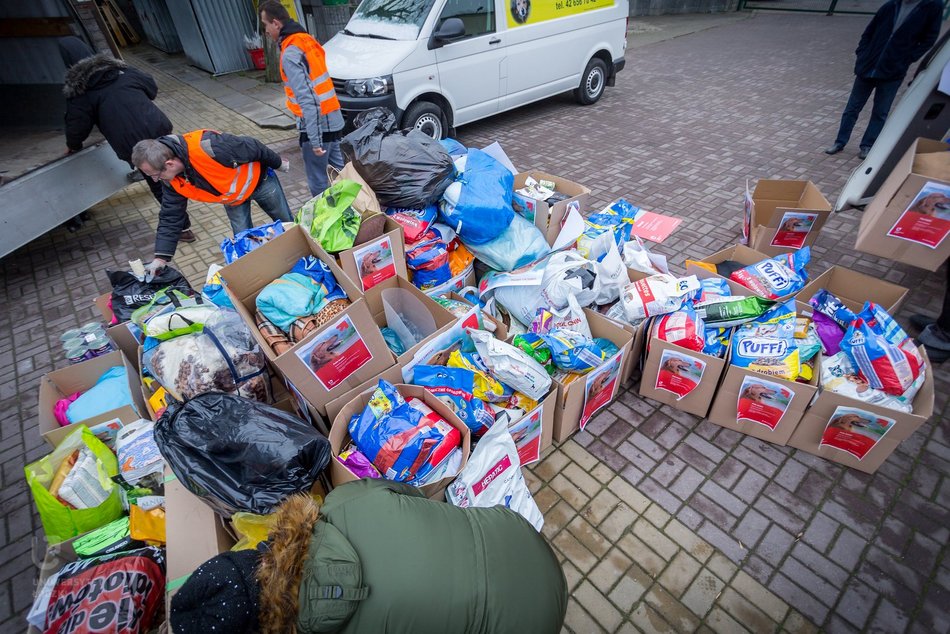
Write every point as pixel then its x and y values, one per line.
pixel 152 152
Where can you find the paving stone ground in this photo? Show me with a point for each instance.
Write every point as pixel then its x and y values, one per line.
pixel 663 521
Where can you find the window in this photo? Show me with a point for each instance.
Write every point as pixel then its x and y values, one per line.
pixel 477 15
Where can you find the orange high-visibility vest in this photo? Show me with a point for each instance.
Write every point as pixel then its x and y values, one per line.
pixel 236 183
pixel 319 75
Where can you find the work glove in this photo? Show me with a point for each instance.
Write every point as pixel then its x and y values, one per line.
pixel 153 268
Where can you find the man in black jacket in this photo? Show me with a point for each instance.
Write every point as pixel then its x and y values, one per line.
pixel 209 166
pixel 899 34
pixel 105 92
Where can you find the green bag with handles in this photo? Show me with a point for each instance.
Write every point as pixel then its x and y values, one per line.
pixel 330 218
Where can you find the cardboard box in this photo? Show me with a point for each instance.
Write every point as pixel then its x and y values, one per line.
pixel 854 288
pixel 737 253
pixel 922 163
pixel 777 205
pixel 827 407
pixel 384 258
pixel 543 415
pixel 547 217
pixel 392 375
pixel 495 326
pixel 340 435
pixel 582 397
pixel 694 393
pixel 59 384
pixel 122 335
pixel 365 357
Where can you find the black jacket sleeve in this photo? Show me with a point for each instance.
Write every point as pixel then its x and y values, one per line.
pixel 172 219
pixel 80 119
pixel 237 150
pixel 143 81
pixel 868 33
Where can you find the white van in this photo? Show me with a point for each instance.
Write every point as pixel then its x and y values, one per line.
pixel 438 64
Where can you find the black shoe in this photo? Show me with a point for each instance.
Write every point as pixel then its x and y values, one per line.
pixel 834 149
pixel 921 321
pixel 934 337
pixel 187 236
pixel 935 355
pixel 863 153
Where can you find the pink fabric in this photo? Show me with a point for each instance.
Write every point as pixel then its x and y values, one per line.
pixel 114 321
pixel 59 410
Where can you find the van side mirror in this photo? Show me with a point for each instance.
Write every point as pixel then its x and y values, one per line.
pixel 451 29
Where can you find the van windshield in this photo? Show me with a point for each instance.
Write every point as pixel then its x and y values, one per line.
pixel 389 19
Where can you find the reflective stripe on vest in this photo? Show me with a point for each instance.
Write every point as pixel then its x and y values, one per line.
pixel 236 183
pixel 319 77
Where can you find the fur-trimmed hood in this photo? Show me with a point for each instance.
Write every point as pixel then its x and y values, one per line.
pixel 90 73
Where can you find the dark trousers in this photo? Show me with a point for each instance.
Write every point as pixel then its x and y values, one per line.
pixel 884 93
pixel 944 319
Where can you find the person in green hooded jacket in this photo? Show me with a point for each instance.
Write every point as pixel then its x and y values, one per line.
pixel 378 557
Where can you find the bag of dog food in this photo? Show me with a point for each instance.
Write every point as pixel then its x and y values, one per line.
pixel 767 345
pixel 716 341
pixel 731 310
pixel 684 328
pixel 711 288
pixel 536 347
pixel 777 277
pixel 511 366
pixel 487 388
pixel 657 295
pixel 881 350
pixel 830 306
pixel 455 387
pixel 414 222
pixel 573 351
pixel 839 375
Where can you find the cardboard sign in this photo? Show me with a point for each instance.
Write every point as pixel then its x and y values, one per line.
pixel 655 227
pixel 679 373
pixel 926 220
pixel 600 387
pixel 335 353
pixel 526 433
pixel 763 402
pixel 855 431
pixel 793 229
pixel 375 261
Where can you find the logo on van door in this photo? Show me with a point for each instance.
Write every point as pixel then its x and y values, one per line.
pixel 523 12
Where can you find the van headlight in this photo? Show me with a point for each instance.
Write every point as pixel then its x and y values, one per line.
pixel 371 87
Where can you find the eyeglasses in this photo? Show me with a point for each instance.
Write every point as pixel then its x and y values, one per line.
pixel 153 175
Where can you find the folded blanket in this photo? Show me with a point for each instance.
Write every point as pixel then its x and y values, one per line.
pixel 110 392
pixel 290 296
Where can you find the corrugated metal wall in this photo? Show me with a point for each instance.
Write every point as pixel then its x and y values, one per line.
pixel 212 32
pixel 31 60
pixel 157 24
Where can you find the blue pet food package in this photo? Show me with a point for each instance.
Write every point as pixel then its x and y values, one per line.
pixel 573 352
pixel 617 218
pixel 830 306
pixel 777 277
pixel 455 387
pixel 767 345
pixel 881 350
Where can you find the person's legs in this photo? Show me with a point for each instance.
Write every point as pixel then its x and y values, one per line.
pixel 936 336
pixel 315 168
pixel 884 93
pixel 270 196
pixel 334 154
pixel 860 92
pixel 240 216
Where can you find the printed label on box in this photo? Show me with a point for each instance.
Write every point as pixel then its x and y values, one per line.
pixel 855 431
pixel 679 373
pixel 526 433
pixel 600 387
pixel 762 401
pixel 793 230
pixel 335 354
pixel 926 220
pixel 375 262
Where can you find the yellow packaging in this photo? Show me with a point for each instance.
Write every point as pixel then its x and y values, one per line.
pixel 147 526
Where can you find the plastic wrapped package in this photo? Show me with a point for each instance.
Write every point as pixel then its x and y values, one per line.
pixel 223 357
pixel 881 350
pixel 137 452
pixel 767 345
pixel 711 288
pixel 111 391
pixel 829 305
pixel 414 222
pixel 252 529
pixel 536 347
pixel 511 366
pixel 478 204
pixel 249 239
pixel 330 218
pixel 550 283
pixel 684 328
pixel 519 244
pixel 839 375
pixel 656 295
pixel 167 299
pixel 573 351
pixel 616 219
pixel 358 464
pixel 716 341
pixel 240 455
pixel 406 169
pixel 829 332
pixel 456 388
pixel 777 277
pixel 571 317
pixel 730 310
pixel 428 260
pixel 486 387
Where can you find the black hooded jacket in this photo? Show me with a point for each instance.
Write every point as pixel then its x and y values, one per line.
pixel 886 54
pixel 105 92
pixel 226 149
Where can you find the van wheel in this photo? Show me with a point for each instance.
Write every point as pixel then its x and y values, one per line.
pixel 592 83
pixel 426 117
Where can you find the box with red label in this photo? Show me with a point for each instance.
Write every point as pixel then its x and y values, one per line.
pixel 786 215
pixel 744 256
pixel 680 377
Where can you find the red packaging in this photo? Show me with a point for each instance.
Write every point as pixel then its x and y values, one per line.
pixel 684 328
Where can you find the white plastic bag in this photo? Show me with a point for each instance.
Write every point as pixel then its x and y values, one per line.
pixel 556 285
pixel 657 295
pixel 611 276
pixel 511 366
pixel 492 477
pixel 637 257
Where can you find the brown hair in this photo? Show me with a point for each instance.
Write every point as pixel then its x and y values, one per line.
pixel 275 11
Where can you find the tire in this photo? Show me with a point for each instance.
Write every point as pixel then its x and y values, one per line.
pixel 593 82
pixel 426 117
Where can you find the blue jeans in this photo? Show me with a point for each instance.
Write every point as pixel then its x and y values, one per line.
pixel 269 195
pixel 316 166
pixel 884 93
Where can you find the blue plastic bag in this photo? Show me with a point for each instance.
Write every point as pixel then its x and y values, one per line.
pixel 249 239
pixel 521 243
pixel 572 351
pixel 110 392
pixel 455 387
pixel 478 204
pixel 428 260
pixel 453 147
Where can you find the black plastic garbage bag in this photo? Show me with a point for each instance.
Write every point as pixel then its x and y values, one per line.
pixel 407 169
pixel 129 292
pixel 238 454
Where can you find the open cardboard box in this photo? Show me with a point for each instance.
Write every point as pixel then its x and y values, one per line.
pixel 854 288
pixel 79 377
pixel 781 202
pixel 924 162
pixel 366 354
pixel 829 407
pixel 763 415
pixel 547 217
pixel 340 435
pixel 693 393
pixel 495 326
pixel 457 283
pixel 122 335
pixel 378 259
pixel 538 423
pixel 582 396
pixel 738 253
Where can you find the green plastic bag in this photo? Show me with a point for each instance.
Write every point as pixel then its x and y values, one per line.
pixel 330 218
pixel 59 521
